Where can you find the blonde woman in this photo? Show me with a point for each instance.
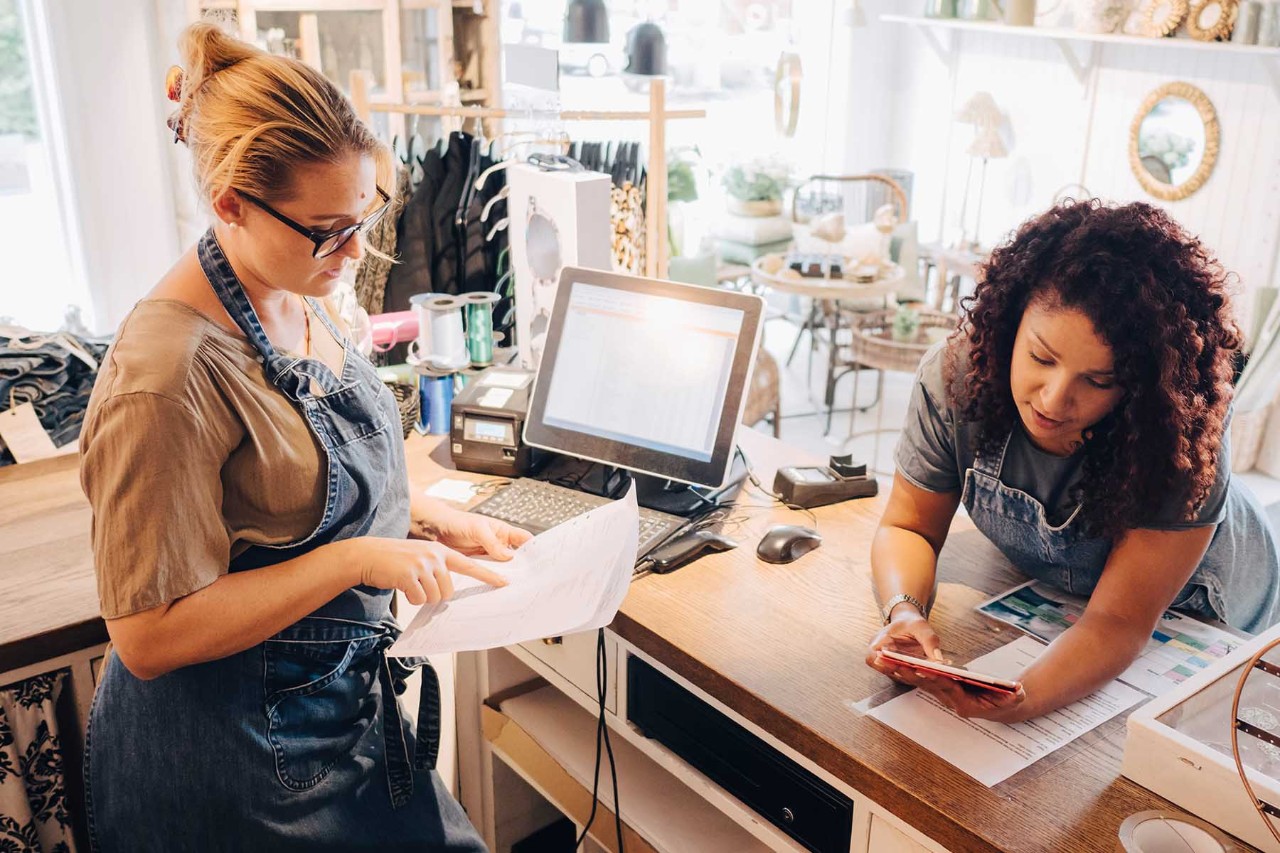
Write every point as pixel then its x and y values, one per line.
pixel 251 508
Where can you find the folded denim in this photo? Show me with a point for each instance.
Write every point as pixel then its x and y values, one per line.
pixel 54 373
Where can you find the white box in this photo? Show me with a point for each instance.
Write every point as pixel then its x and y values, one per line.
pixel 558 219
pixel 1179 745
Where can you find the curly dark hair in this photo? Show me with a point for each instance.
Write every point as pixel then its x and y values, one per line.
pixel 1158 297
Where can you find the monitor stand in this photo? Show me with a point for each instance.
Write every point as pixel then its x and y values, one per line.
pixel 652 492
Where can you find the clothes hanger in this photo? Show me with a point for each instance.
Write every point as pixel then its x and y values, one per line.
pixel 488 205
pixel 500 225
pixel 510 134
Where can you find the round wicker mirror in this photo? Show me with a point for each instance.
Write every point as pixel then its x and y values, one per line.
pixel 1173 141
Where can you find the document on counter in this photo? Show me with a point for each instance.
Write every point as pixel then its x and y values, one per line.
pixel 571 578
pixel 1180 646
pixel 992 752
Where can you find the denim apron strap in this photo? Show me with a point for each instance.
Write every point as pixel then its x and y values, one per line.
pixel 394 673
pixel 295 376
pixel 992 466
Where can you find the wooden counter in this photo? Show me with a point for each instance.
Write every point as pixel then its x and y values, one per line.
pixel 781 645
pixel 48 596
pixel 784 647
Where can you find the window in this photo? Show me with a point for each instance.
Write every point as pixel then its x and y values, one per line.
pixel 38 279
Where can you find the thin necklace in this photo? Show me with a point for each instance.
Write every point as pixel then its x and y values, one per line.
pixel 306 316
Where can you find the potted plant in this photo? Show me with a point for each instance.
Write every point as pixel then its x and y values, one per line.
pixel 689 260
pixel 906 324
pixel 755 188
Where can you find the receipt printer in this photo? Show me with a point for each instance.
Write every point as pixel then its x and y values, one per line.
pixel 487 420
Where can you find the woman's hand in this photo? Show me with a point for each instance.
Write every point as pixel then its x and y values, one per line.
pixel 910 633
pixel 421 570
pixel 973 702
pixel 479 535
pixel 465 532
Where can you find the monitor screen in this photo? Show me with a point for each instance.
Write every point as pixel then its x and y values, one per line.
pixel 645 374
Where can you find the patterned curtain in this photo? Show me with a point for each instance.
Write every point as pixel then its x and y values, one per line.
pixel 33 802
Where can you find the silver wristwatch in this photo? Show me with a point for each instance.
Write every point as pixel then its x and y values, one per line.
pixel 887 610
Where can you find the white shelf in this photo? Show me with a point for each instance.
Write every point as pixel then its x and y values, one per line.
pixel 1269 56
pixel 665 812
pixel 1071 35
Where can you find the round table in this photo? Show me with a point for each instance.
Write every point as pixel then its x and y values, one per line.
pixel 826 294
pixel 834 289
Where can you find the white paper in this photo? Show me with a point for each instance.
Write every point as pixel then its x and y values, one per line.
pixel 992 752
pixel 504 379
pixel 571 578
pixel 1179 648
pixel 495 398
pixel 458 491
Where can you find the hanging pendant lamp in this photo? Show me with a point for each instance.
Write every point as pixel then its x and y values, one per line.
pixel 586 22
pixel 647 50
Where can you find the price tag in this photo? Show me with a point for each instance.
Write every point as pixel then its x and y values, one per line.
pixel 24 436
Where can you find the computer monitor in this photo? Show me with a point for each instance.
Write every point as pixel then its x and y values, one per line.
pixel 646 375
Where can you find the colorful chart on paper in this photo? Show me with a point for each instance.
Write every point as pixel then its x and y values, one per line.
pixel 1180 646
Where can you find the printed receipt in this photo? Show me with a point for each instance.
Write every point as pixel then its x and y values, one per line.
pixel 992 752
pixel 571 578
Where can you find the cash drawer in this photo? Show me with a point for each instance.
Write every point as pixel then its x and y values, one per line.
pixel 791 798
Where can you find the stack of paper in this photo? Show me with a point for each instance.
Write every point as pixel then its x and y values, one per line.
pixel 571 578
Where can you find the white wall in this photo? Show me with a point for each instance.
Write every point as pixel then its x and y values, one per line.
pixel 1063 132
pixel 111 97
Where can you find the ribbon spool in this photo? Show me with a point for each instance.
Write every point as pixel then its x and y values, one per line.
pixel 440 344
pixel 480 327
pixel 1166 832
pixel 435 402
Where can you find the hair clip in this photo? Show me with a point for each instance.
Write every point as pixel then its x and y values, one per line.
pixel 173 83
pixel 175 124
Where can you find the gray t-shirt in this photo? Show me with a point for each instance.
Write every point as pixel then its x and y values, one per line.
pixel 937 448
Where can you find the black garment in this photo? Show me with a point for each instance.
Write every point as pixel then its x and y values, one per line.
pixel 440 237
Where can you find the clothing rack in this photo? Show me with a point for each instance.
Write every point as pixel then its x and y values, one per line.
pixel 657 115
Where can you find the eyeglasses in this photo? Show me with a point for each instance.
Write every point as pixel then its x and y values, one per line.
pixel 327 242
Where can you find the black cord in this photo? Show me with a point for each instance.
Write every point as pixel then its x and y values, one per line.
pixel 595 787
pixel 755 481
pixel 602 734
pixel 602 677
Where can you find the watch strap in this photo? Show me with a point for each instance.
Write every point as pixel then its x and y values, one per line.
pixel 893 602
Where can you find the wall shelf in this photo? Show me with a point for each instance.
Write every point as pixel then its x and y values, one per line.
pixel 940 34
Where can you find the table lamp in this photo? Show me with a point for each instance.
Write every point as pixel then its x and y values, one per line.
pixel 979 110
pixel 987 145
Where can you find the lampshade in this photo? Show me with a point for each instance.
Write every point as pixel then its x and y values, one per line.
pixel 987 144
pixel 586 21
pixel 647 50
pixel 979 110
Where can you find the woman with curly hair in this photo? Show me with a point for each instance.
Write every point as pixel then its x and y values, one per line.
pixel 1080 413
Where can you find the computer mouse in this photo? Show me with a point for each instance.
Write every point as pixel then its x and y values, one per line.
pixel 784 543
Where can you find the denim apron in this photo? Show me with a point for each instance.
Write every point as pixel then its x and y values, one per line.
pixel 297 743
pixel 1237 581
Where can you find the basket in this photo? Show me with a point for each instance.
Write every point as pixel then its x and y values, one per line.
pixel 408 402
pixel 873 344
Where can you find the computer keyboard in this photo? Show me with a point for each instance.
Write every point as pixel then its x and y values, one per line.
pixel 536 506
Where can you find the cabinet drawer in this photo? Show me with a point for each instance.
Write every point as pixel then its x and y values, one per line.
pixel 573 658
pixel 777 788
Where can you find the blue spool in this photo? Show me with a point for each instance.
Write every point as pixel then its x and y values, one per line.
pixel 436 397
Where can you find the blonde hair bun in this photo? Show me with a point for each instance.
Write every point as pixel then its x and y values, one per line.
pixel 250 118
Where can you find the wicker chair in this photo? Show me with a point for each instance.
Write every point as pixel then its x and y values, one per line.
pixel 764 402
